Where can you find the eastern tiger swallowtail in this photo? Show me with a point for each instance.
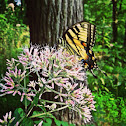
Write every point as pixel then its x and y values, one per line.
pixel 79 39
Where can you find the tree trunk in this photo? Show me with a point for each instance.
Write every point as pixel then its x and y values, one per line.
pixel 48 19
pixel 125 35
pixel 114 24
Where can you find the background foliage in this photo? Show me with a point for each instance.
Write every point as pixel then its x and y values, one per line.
pixel 110 91
pixel 13 35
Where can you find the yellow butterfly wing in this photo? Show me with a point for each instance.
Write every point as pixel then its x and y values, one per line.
pixel 79 40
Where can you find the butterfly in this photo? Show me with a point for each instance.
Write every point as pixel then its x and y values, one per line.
pixel 79 39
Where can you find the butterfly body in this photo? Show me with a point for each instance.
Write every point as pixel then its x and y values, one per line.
pixel 79 39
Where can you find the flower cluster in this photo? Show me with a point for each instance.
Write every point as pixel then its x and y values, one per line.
pixel 13 80
pixel 54 68
pixel 7 119
pixel 78 98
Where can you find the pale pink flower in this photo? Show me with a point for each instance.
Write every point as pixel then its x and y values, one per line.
pixel 15 92
pixel 32 84
pixel 27 51
pixel 22 97
pixel 70 103
pixel 7 119
pixel 11 5
pixel 9 92
pixel 40 124
pixel 28 96
pixel 1 121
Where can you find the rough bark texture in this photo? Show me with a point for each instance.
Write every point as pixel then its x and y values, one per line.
pixel 48 19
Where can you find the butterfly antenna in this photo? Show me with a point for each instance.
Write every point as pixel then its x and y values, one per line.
pixel 93 74
pixel 102 71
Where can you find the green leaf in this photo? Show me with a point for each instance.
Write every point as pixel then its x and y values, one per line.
pixel 61 123
pixel 58 122
pixel 18 114
pixel 36 98
pixel 48 122
pixel 72 124
pixel 19 111
pixel 27 122
pixel 106 89
pixel 109 68
pixel 3 16
pixel 38 121
pixel 64 123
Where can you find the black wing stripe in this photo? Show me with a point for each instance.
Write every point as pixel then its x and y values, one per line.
pixel 71 51
pixel 77 28
pixel 74 31
pixel 94 32
pixel 89 34
pixel 71 38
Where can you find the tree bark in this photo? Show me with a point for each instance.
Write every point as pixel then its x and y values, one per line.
pixel 124 44
pixel 115 21
pixel 48 19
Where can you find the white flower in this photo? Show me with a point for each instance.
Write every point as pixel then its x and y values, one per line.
pixel 51 107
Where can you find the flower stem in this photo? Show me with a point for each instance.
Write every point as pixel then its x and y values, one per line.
pixel 60 103
pixel 42 90
pixel 42 114
pixel 25 92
